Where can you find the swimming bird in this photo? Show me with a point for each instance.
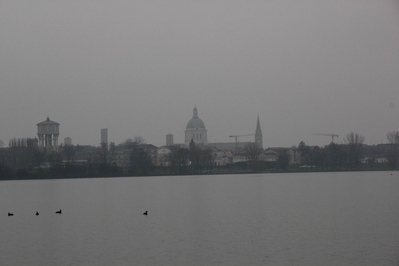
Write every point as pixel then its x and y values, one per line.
pixel 10 214
pixel 145 213
pixel 58 211
pixel 37 213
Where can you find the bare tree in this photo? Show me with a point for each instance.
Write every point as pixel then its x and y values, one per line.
pixel 354 141
pixel 253 150
pixel 20 142
pixel 139 140
pixel 111 153
pixel 200 157
pixel 393 137
pixel 67 153
pixel 335 156
pixel 283 161
pixel 354 138
pixel 54 158
pixel 132 143
pixel 103 150
pixel 392 154
pixel 178 158
pixel 128 141
pixel 19 156
pixel 317 157
pixel 305 153
pixel 140 162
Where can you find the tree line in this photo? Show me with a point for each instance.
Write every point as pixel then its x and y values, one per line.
pixel 332 157
pixel 23 159
pixel 347 156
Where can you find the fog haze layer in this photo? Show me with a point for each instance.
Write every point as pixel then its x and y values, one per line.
pixel 139 67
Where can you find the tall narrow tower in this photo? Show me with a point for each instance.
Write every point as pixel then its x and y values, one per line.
pixel 48 132
pixel 169 140
pixel 104 135
pixel 258 135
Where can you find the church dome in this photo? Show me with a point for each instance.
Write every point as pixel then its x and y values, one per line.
pixel 195 122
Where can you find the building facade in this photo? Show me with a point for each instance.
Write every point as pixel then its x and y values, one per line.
pixel 163 156
pixel 48 132
pixel 67 141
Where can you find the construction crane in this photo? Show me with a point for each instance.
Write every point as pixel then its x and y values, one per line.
pixel 237 136
pixel 330 135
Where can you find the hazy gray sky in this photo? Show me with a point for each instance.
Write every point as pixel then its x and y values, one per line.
pixel 139 67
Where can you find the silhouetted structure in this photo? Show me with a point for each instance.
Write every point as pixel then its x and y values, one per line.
pixel 169 140
pixel 48 132
pixel 104 135
pixel 258 135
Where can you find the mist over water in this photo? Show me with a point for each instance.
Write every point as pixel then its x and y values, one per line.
pixel 266 219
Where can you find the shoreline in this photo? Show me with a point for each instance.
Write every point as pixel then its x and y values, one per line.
pixel 64 177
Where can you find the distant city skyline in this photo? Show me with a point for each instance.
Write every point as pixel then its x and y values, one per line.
pixel 246 138
pixel 139 67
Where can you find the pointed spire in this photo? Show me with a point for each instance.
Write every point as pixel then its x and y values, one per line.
pixel 258 126
pixel 258 134
pixel 195 112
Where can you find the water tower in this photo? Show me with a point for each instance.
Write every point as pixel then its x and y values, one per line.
pixel 48 132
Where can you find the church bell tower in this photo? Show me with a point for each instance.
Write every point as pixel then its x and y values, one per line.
pixel 258 135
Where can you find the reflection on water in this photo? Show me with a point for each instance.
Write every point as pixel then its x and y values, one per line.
pixel 274 219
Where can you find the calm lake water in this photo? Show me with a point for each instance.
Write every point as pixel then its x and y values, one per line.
pixel 266 219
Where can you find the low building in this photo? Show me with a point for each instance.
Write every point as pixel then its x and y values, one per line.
pixel 87 153
pixel 163 153
pixel 151 151
pixel 268 156
pixel 122 158
pixel 293 153
pixel 228 145
pixel 239 157
pixel 219 158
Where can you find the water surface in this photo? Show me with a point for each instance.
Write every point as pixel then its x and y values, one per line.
pixel 266 219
